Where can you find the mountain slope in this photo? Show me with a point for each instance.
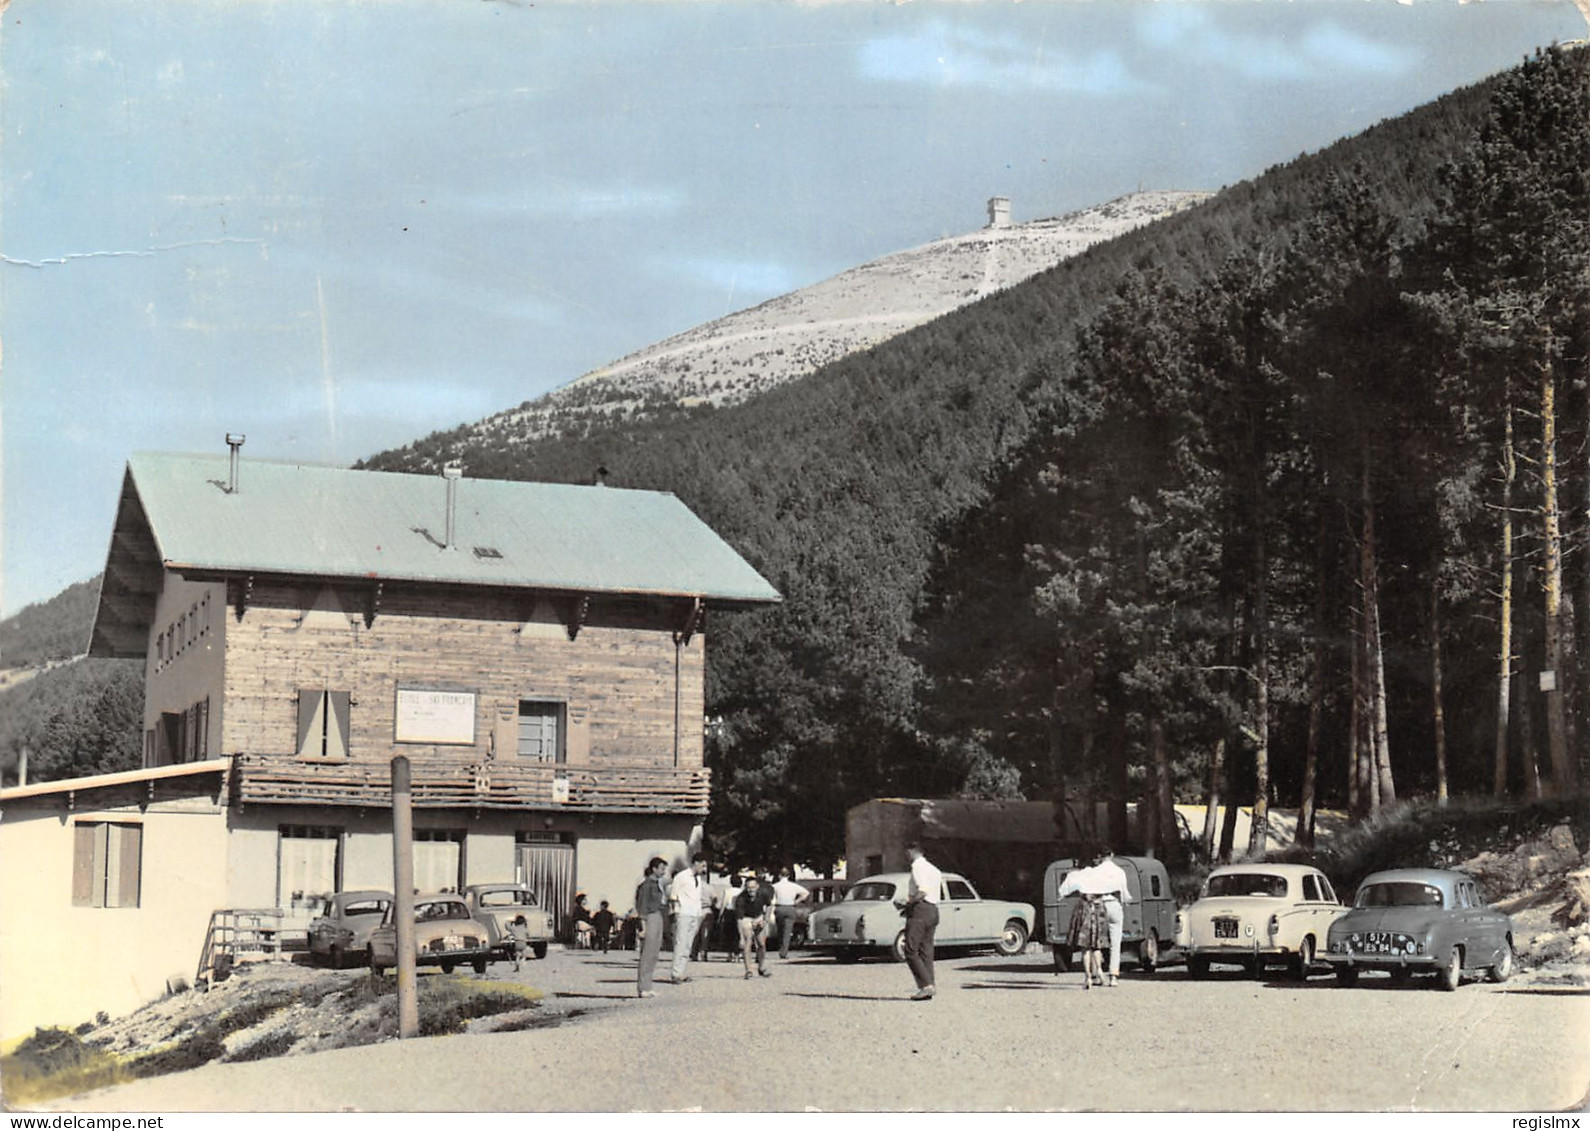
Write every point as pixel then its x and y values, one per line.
pixel 748 352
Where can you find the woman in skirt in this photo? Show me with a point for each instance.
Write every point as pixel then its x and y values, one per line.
pixel 1090 933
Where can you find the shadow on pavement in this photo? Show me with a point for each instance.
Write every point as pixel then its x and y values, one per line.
pixel 903 997
pixel 1020 985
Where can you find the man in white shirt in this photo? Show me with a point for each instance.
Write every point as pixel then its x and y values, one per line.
pixel 1113 878
pixel 921 910
pixel 684 899
pixel 786 894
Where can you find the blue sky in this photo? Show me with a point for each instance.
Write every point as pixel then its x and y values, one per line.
pixel 337 226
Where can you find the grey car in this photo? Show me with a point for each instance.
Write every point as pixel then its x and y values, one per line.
pixel 1421 919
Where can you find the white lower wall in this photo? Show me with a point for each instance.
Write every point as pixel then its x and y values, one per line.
pixel 60 964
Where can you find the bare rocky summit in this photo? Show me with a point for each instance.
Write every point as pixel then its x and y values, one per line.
pixel 751 351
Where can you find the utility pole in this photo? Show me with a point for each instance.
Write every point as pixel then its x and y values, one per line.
pixel 403 898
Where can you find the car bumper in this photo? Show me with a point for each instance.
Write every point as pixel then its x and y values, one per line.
pixel 1238 953
pixel 1381 961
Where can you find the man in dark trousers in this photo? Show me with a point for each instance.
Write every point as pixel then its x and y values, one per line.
pixel 754 907
pixel 921 910
pixel 651 900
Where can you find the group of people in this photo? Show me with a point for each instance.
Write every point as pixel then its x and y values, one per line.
pixel 757 909
pixel 754 909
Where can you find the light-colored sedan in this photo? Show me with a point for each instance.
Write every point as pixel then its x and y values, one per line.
pixel 340 934
pixel 867 921
pixel 516 921
pixel 1252 915
pixel 445 935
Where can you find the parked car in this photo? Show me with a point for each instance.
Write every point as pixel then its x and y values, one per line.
pixel 824 893
pixel 340 933
pixel 1414 919
pixel 1253 915
pixel 866 920
pixel 445 935
pixel 513 918
pixel 1148 926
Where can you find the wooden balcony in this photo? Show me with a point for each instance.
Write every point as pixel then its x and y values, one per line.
pixel 445 783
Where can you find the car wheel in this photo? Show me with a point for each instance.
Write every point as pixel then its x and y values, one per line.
pixel 539 949
pixel 1304 959
pixel 1148 953
pixel 1197 966
pixel 1451 975
pixel 1347 975
pixel 897 951
pixel 1013 939
pixel 446 965
pixel 1503 969
pixel 479 965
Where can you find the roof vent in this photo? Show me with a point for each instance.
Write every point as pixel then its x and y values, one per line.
pixel 453 472
pixel 234 440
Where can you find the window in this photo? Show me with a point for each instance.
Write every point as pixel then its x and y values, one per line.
pixel 959 889
pixel 107 864
pixel 1310 890
pixel 541 731
pixel 1153 886
pixel 309 866
pixel 323 724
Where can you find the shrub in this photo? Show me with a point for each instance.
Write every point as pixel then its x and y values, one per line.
pixel 272 1044
pixel 54 1062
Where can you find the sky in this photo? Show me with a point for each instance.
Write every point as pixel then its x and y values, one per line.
pixel 336 226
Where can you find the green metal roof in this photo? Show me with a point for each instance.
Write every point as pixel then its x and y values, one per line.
pixel 294 518
pixel 336 523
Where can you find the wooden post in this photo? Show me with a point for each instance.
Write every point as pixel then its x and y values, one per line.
pixel 403 899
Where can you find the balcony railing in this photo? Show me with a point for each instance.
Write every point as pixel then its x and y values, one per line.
pixel 435 783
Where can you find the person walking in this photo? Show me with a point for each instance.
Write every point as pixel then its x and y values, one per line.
pixel 921 910
pixel 1116 896
pixel 786 894
pixel 684 898
pixel 753 909
pixel 1089 931
pixel 602 924
pixel 651 898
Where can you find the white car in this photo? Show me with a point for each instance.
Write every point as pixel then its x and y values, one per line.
pixel 867 920
pixel 1253 915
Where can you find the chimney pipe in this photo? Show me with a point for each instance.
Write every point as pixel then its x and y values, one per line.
pixel 234 440
pixel 453 472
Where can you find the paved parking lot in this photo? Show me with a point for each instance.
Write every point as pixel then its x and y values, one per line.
pixel 1004 1033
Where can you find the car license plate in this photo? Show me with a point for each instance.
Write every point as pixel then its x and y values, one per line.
pixel 1225 928
pixel 1384 942
pixel 453 942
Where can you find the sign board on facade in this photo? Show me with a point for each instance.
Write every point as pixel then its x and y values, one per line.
pixel 1548 681
pixel 560 790
pixel 442 718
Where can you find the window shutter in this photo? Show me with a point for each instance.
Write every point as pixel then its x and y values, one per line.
pixel 505 731
pixel 127 883
pixel 83 864
pixel 309 708
pixel 577 742
pixel 337 733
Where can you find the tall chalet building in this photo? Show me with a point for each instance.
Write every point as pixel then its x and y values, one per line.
pixel 536 651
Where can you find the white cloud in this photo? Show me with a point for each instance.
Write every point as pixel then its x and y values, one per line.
pixel 950 55
pixel 1196 32
pixel 573 202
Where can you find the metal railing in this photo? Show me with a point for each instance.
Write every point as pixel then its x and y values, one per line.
pixel 236 933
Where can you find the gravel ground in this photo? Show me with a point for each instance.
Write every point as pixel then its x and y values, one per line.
pixel 1002 1034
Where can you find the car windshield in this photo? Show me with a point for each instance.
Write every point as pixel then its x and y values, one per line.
pixel 1248 883
pixel 872 890
pixel 440 909
pixel 1403 893
pixel 507 897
